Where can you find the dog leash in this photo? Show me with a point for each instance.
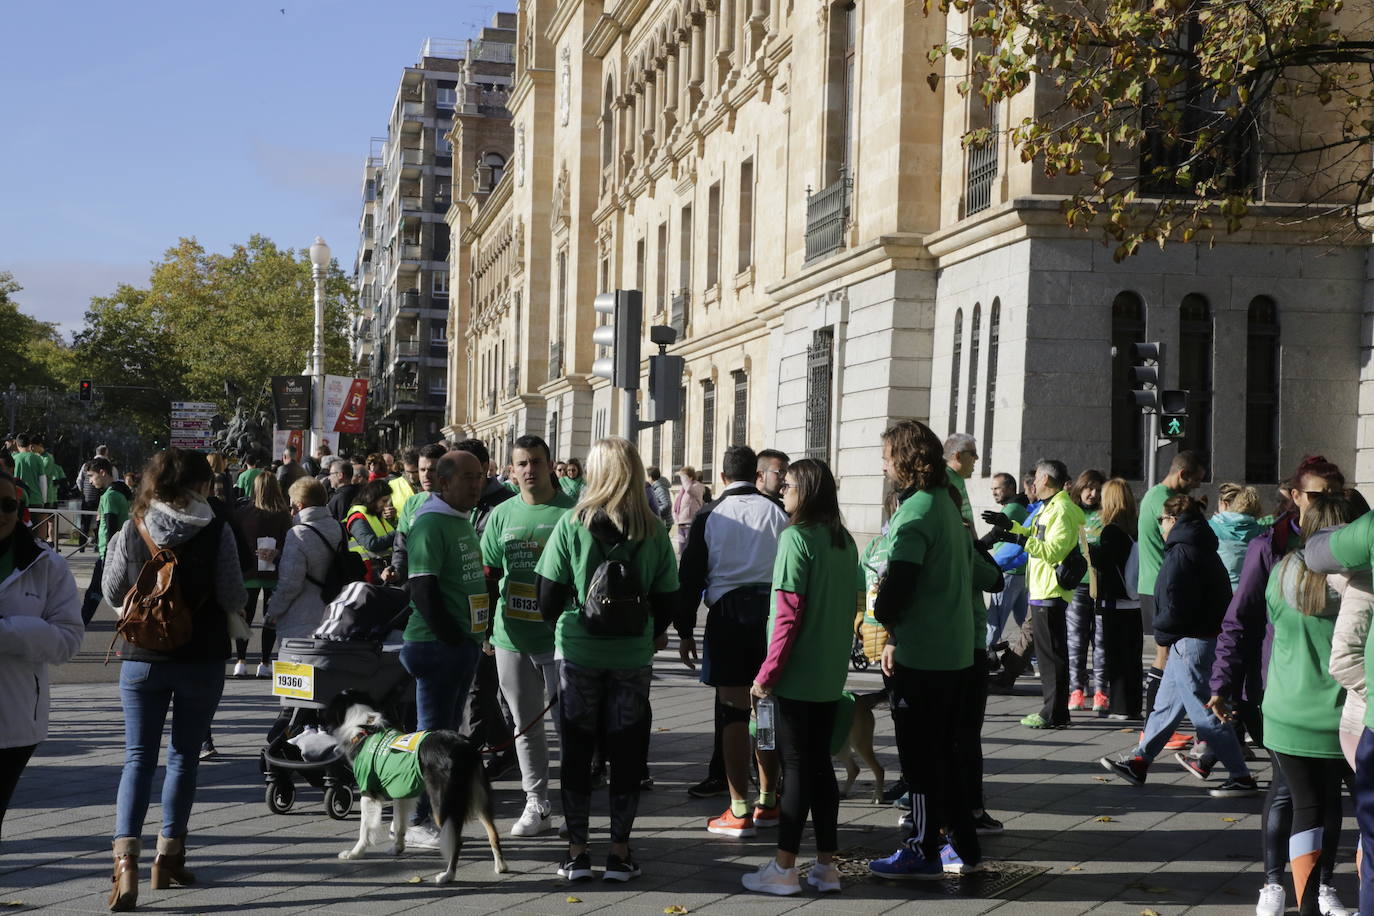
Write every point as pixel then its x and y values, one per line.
pixel 535 721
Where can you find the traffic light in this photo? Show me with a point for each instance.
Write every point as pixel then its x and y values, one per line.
pixel 621 337
pixel 87 390
pixel 664 400
pixel 1173 405
pixel 1147 373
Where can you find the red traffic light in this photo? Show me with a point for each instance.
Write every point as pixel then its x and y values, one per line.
pixel 87 391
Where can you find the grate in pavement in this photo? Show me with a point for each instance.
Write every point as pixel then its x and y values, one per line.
pixel 996 878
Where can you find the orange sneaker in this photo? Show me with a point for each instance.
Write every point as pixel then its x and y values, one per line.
pixel 1100 702
pixel 766 817
pixel 729 825
pixel 1077 700
pixel 1179 742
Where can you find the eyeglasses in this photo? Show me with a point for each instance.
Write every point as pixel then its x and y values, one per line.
pixel 785 486
pixel 9 504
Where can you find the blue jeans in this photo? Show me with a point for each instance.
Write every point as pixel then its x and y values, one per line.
pixel 1009 603
pixel 146 690
pixel 443 673
pixel 1185 690
pixel 1364 814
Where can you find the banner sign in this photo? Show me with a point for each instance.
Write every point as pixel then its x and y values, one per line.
pixel 345 403
pixel 291 396
pixel 190 425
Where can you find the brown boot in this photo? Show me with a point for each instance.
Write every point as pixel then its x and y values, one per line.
pixel 124 892
pixel 169 865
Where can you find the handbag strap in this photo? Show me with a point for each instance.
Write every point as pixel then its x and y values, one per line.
pixel 153 549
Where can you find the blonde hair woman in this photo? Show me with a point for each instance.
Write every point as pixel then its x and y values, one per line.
pixel 1118 603
pixel 605 657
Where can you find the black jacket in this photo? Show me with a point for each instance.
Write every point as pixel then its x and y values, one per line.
pixel 1109 557
pixel 343 499
pixel 1193 588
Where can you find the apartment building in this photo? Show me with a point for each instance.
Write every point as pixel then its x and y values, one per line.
pixel 402 264
pixel 784 187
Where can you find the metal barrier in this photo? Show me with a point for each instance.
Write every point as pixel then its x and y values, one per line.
pixel 67 524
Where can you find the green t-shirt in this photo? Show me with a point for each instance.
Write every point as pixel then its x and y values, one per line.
pixel 1353 547
pixel 934 631
pixel 112 502
pixel 809 564
pixel 55 476
pixel 1149 538
pixel 958 482
pixel 443 544
pixel 571 557
pixel 246 478
pixel 512 541
pixel 407 513
pixel 1302 701
pixel 572 485
pixel 31 468
pixel 389 763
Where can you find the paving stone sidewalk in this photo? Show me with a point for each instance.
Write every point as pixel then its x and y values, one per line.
pixel 1108 847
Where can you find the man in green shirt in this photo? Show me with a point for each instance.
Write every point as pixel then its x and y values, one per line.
pixel 111 515
pixel 425 464
pixel 1186 472
pixel 450 608
pixel 31 468
pixel 514 538
pixel 257 464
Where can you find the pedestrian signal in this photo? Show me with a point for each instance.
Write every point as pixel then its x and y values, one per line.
pixel 87 390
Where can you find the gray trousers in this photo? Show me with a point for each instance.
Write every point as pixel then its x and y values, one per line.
pixel 528 684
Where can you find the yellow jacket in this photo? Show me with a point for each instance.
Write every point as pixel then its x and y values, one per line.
pixel 1053 536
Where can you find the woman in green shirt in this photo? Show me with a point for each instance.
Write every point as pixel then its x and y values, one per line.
pixel 816 585
pixel 1086 646
pixel 1302 701
pixel 603 680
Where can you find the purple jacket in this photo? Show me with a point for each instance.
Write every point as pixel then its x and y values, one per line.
pixel 1246 634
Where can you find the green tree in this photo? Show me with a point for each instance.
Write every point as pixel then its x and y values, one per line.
pixel 32 353
pixel 1169 118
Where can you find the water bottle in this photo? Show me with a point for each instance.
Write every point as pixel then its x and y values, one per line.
pixel 764 713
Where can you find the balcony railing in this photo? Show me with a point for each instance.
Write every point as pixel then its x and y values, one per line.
pixel 493 52
pixel 827 215
pixel 409 348
pixel 555 360
pixel 412 111
pixel 410 300
pixel 412 203
pixel 677 315
pixel 412 156
pixel 411 252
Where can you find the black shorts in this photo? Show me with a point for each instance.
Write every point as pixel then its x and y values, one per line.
pixel 736 637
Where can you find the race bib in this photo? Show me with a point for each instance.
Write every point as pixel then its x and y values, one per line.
pixel 479 608
pixel 409 743
pixel 522 602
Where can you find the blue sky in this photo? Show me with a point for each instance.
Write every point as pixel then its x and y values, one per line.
pixel 124 126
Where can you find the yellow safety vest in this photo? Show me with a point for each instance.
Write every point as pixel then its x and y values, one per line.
pixel 379 527
pixel 401 490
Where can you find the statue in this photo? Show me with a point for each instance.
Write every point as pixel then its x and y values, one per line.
pixel 245 433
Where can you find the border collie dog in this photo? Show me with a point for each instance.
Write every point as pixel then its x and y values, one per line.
pixel 394 767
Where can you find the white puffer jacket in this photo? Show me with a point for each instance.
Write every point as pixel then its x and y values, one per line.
pixel 40 625
pixel 1348 644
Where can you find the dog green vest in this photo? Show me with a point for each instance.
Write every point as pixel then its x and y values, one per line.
pixel 389 764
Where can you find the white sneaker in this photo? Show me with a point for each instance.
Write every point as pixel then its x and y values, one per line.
pixel 905 821
pixel 240 669
pixel 1330 904
pixel 1272 901
pixel 770 879
pixel 264 671
pixel 422 836
pixel 535 820
pixel 824 877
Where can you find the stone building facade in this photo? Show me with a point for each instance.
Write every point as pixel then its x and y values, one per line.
pixel 782 184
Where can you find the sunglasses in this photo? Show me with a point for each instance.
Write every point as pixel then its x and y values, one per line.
pixel 9 504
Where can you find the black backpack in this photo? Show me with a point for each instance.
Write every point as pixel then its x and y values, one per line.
pixel 345 567
pixel 616 604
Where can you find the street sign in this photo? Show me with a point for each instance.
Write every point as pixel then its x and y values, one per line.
pixel 191 425
pixel 204 406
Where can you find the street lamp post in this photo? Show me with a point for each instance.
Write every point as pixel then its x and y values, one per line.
pixel 319 263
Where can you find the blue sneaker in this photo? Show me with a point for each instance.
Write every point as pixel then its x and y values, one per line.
pixel 907 864
pixel 953 864
pixel 902 801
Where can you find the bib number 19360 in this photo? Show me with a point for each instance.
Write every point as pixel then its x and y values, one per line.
pixel 291 680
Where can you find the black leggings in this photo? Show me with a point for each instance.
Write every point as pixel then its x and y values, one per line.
pixel 612 704
pixel 12 763
pixel 1278 825
pixel 1315 783
pixel 804 731
pixel 970 731
pixel 269 633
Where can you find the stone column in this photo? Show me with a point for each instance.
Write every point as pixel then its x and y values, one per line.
pixel 671 75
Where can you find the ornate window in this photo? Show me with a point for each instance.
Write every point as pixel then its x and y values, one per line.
pixel 739 426
pixel 708 429
pixel 820 369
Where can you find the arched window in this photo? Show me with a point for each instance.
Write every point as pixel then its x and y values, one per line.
pixel 1262 391
pixel 973 344
pixel 1128 327
pixel 608 125
pixel 956 353
pixel 1195 374
pixel 497 164
pixel 990 399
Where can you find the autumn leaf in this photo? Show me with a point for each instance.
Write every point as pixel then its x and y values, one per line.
pixel 1103 819
pixel 416 879
pixel 675 909
pixel 574 899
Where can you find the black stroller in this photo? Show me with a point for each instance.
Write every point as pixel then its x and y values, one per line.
pixel 346 652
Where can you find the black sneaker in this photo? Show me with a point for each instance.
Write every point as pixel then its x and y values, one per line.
pixel 1193 765
pixel 708 788
pixel 987 824
pixel 1236 788
pixel 577 868
pixel 646 784
pixel 1131 769
pixel 895 791
pixel 618 869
